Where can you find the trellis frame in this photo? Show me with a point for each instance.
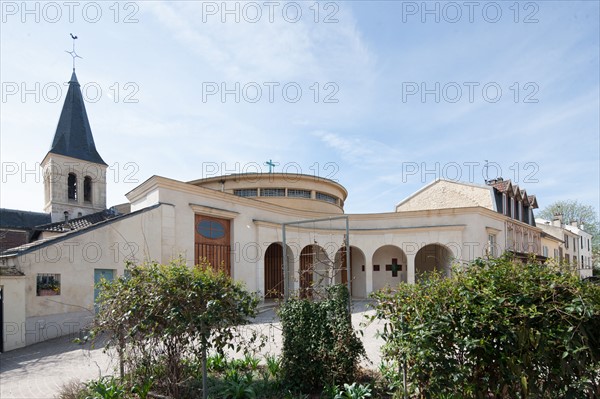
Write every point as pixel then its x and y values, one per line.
pixel 286 283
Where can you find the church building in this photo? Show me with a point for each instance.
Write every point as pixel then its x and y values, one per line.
pixel 280 234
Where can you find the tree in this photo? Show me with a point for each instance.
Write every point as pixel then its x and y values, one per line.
pixel 161 314
pixel 586 215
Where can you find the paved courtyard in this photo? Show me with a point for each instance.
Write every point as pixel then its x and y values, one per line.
pixel 38 371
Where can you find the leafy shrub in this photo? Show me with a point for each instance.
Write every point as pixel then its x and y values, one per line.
pixel 106 388
pixel 273 366
pixel 498 328
pixel 354 391
pixel 237 386
pixel 319 344
pixel 216 362
pixel 162 314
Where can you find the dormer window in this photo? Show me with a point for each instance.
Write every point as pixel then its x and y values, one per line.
pixel 87 189
pixel 72 186
pixel 512 208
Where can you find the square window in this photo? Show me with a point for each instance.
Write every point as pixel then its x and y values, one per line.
pixel 375 268
pixel 48 284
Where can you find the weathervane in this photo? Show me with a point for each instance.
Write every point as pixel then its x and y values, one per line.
pixel 72 52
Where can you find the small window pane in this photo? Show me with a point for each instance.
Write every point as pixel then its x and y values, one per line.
pixel 72 186
pixel 87 189
pixel 326 198
pixel 298 193
pixel 246 192
pixel 492 244
pixel 48 284
pixel 272 192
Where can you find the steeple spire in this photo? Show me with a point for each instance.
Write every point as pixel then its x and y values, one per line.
pixel 74 172
pixel 73 137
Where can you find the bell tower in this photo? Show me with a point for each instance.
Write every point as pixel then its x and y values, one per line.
pixel 74 173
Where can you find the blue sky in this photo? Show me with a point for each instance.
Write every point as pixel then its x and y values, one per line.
pixel 381 96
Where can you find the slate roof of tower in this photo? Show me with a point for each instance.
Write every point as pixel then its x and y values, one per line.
pixel 73 137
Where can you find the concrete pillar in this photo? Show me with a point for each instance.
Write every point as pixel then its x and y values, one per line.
pixel 369 271
pixel 410 268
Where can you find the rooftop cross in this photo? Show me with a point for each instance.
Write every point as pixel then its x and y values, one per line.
pixel 72 52
pixel 271 165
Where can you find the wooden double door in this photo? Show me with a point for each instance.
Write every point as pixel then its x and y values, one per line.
pixel 212 242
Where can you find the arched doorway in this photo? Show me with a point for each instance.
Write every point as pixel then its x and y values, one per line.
pixel 389 267
pixel 358 280
pixel 274 283
pixel 433 257
pixel 314 270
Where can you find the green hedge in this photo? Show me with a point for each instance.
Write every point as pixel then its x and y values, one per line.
pixel 497 328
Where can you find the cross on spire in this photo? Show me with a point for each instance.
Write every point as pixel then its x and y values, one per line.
pixel 72 52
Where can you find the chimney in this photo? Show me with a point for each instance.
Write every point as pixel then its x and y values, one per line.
pixel 574 223
pixel 66 226
pixel 492 182
pixel 557 221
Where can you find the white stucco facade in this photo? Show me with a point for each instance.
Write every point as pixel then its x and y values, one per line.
pixel 256 225
pixel 31 316
pixel 568 243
